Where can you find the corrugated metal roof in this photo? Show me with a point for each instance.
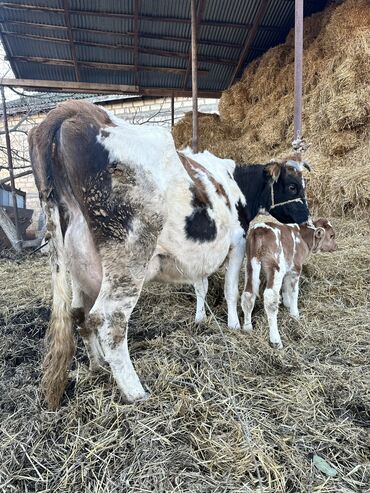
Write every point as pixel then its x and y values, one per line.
pixel 104 33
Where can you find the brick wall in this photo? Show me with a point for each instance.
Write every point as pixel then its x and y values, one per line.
pixel 153 111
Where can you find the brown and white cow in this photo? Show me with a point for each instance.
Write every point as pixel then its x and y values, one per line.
pixel 280 250
pixel 123 207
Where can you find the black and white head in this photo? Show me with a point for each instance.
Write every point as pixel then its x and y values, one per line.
pixel 288 202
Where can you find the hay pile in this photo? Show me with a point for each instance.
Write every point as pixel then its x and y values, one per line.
pixel 336 118
pixel 312 397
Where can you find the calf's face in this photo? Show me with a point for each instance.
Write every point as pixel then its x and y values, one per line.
pixel 324 240
pixel 289 191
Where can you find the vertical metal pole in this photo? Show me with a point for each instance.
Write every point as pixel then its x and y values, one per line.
pixel 10 166
pixel 172 111
pixel 194 74
pixel 298 68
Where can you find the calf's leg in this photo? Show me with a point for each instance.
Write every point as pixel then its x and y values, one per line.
pixel 293 289
pixel 252 282
pixel 274 279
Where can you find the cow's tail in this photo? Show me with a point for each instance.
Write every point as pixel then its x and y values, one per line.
pixel 60 343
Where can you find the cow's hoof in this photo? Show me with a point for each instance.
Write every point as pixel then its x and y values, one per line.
pixel 139 397
pixel 233 322
pixel 234 325
pixel 276 345
pixel 248 328
pixel 200 320
pixel 295 315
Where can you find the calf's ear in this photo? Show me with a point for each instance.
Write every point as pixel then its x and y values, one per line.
pixel 273 170
pixel 318 238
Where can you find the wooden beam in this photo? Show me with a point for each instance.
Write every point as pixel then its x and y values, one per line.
pixel 67 20
pixel 150 51
pixel 88 87
pixel 136 39
pixel 200 13
pixel 194 74
pixel 11 172
pixel 151 18
pixel 250 38
pixel 19 175
pixel 101 65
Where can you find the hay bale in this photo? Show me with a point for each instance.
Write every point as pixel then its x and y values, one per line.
pixel 336 117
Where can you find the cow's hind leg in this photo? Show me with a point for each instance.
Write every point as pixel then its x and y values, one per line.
pixel 201 289
pixel 81 306
pixel 124 270
pixel 234 263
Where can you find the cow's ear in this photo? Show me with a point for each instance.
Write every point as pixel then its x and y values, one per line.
pixel 318 238
pixel 273 170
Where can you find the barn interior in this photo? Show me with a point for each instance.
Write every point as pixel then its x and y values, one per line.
pixel 226 411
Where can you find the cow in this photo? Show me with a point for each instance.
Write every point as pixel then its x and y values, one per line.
pixel 280 250
pixel 124 207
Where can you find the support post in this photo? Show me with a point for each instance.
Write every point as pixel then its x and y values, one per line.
pixel 298 69
pixel 172 111
pixel 11 171
pixel 194 74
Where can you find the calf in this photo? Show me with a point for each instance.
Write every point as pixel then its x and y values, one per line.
pixel 281 251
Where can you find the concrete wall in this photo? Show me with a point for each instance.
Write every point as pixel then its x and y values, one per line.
pixel 152 111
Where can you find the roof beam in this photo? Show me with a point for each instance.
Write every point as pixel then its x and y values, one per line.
pixel 200 13
pixel 67 19
pixel 250 38
pixel 126 34
pixel 152 51
pixel 101 65
pixel 88 87
pixel 174 20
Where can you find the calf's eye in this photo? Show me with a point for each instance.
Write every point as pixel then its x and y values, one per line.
pixel 292 188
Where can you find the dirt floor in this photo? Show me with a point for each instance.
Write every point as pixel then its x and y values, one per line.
pixel 226 414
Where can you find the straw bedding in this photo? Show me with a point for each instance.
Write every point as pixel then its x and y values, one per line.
pixel 336 116
pixel 201 430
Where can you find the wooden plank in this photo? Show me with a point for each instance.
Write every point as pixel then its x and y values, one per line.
pixel 250 38
pixel 89 87
pixel 10 231
pixel 102 65
pixel 67 19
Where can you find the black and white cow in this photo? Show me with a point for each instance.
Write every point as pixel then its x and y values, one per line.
pixel 123 207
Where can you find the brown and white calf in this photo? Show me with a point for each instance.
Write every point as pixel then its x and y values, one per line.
pixel 280 250
pixel 123 207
